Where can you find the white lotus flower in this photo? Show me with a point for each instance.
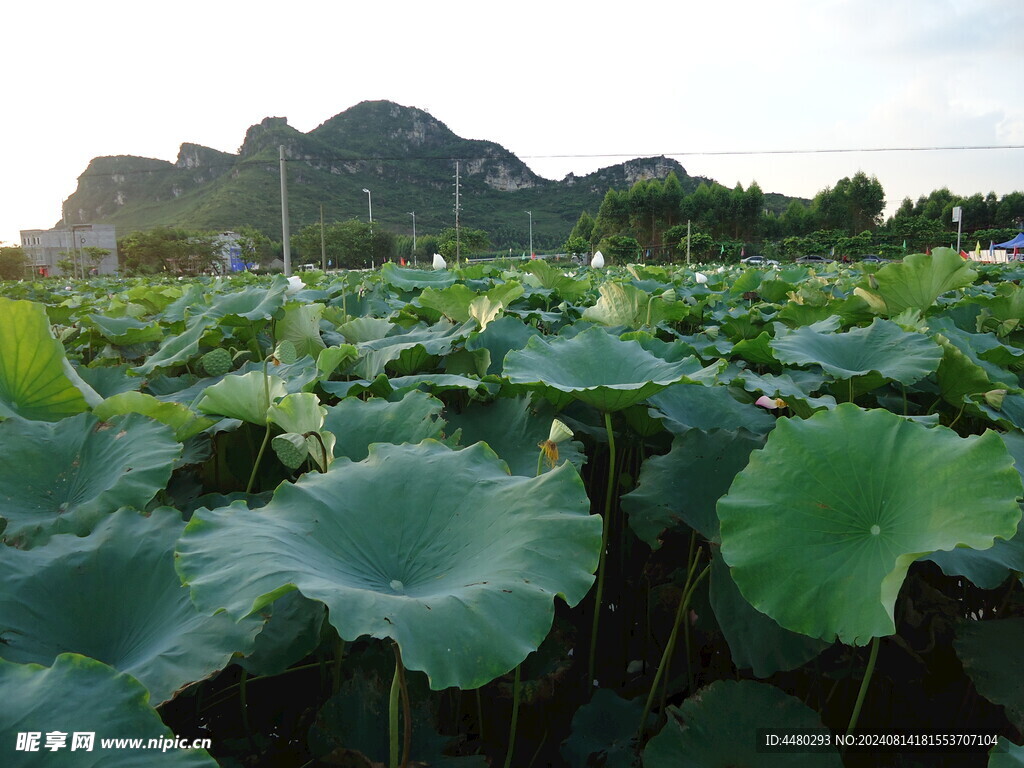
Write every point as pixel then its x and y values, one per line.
pixel 700 277
pixel 439 262
pixel 598 261
pixel 295 285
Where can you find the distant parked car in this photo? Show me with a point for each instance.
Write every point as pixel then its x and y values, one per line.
pixel 759 261
pixel 812 259
pixel 873 258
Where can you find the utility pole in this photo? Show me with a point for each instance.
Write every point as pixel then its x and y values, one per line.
pixel 285 235
pixel 323 243
pixel 413 214
pixel 530 214
pixel 456 211
pixel 687 242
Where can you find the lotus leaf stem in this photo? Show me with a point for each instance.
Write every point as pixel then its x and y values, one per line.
pixel 868 671
pixel 684 604
pixel 515 718
pixel 393 717
pixel 599 592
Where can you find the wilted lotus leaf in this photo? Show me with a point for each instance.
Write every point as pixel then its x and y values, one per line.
pixel 693 734
pixel 595 367
pixel 36 380
pixel 823 523
pixel 81 695
pixel 114 596
pixel 64 477
pixel 441 550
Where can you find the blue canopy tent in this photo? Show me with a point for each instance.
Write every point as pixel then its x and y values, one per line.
pixel 1017 242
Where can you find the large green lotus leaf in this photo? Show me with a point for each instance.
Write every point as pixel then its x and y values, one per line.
pixel 990 653
pixel 36 379
pixel 437 339
pixel 358 423
pixel 685 484
pixel 604 732
pixel 556 280
pixel 301 326
pixel 755 641
pixel 407 279
pixel 183 421
pixel 693 736
pixel 247 397
pixel 114 596
pixel 291 633
pixel 124 331
pixel 249 304
pixel 441 550
pixel 985 568
pixel 823 523
pixel 514 428
pixel 794 388
pixel 81 695
pixel 595 367
pixel 64 477
pixel 917 281
pixel 176 349
pixel 108 381
pixel 300 412
pixel 686 406
pixel 882 347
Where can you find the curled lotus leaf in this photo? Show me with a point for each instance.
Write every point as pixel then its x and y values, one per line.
pixel 114 596
pixel 821 526
pixel 81 695
pixel 441 550
pixel 595 367
pixel 64 477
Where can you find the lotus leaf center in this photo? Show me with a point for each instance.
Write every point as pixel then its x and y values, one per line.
pixel 397 585
pixel 875 530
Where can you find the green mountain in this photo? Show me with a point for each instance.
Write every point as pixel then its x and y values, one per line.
pixel 404 156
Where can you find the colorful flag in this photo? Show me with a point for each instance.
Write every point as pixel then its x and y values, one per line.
pixel 904 246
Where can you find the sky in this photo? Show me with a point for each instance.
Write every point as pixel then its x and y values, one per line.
pixel 738 91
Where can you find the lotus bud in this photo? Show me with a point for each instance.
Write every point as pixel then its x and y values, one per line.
pixel 995 397
pixel 700 277
pixel 598 261
pixel 439 262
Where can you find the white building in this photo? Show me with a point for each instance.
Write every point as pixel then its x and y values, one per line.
pixel 45 247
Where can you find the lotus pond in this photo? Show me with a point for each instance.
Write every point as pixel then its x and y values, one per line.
pixel 518 516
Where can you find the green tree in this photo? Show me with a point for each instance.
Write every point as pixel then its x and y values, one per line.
pixel 13 262
pixel 584 228
pixel 179 251
pixel 619 248
pixel 467 242
pixel 351 244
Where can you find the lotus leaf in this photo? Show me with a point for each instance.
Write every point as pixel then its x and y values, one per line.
pixel 604 732
pixel 36 380
pixel 693 735
pixel 595 367
pixel 249 304
pixel 247 396
pixel 628 306
pixel 114 596
pixel 986 568
pixel 685 484
pixel 883 347
pixel 124 331
pixel 81 695
pixel 1006 754
pixel 359 423
pixel 176 349
pixel 683 406
pixel 755 641
pixel 290 634
pixel 300 325
pixel 514 428
pixel 990 653
pixel 823 523
pixel 64 477
pixel 918 281
pixel 407 279
pixel 462 574
pixel 183 421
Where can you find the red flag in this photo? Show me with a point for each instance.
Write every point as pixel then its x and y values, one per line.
pixel 963 255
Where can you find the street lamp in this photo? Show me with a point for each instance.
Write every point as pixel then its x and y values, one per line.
pixel 413 214
pixel 530 214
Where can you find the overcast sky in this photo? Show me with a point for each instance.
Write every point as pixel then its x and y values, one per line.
pixel 566 86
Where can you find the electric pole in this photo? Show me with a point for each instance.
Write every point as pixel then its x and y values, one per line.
pixel 285 236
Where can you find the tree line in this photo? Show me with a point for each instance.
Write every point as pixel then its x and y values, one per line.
pixel 649 220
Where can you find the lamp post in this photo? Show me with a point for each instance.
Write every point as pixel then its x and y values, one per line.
pixel 530 214
pixel 413 214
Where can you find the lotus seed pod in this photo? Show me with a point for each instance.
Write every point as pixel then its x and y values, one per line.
pixel 559 432
pixel 217 362
pixel 290 449
pixel 285 352
pixel 995 397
